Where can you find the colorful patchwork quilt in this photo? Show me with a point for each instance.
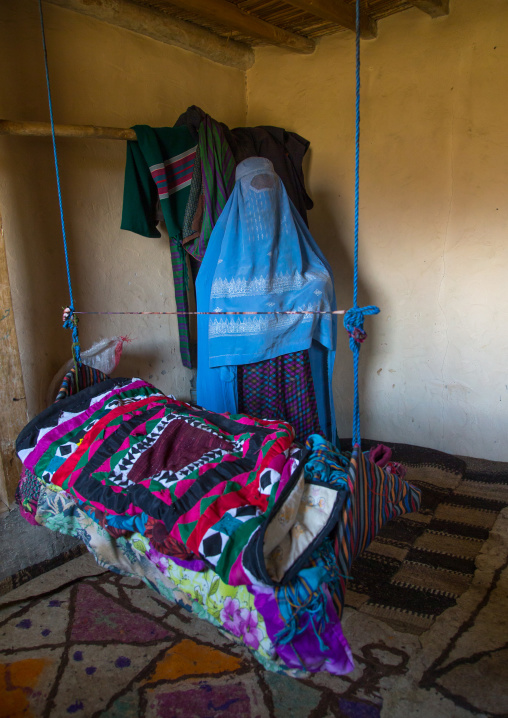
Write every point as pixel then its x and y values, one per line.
pixel 226 490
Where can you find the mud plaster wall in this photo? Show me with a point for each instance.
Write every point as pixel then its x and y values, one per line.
pixel 105 76
pixel 433 215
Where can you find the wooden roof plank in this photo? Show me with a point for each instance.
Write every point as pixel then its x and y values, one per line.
pixel 434 8
pixel 233 17
pixel 339 12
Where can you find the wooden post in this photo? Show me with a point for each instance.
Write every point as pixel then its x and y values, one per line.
pixel 13 412
pixel 43 129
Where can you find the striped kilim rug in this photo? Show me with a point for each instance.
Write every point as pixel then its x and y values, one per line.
pixel 421 563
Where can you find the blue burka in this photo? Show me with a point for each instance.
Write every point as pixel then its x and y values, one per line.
pixel 261 257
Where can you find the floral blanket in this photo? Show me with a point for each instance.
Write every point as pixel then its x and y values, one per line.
pixel 246 614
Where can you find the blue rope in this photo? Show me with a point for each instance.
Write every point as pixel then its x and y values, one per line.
pixel 357 155
pixel 71 322
pixel 354 318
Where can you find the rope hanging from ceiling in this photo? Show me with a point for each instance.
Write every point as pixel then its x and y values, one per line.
pixel 354 317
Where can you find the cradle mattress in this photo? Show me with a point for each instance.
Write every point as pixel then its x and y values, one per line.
pixel 224 512
pixel 224 489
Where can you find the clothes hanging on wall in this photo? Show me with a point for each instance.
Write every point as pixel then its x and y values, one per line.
pixel 217 180
pixel 284 149
pixel 158 160
pixel 199 186
pixel 261 257
pixel 159 167
pixel 159 171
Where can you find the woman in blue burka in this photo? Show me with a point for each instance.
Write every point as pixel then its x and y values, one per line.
pixel 261 258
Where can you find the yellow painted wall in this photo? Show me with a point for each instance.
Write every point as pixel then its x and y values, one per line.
pixel 105 76
pixel 434 214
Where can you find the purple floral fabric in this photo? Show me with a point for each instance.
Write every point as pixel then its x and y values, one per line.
pixel 241 622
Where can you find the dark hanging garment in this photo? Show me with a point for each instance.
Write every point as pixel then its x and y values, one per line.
pixel 285 150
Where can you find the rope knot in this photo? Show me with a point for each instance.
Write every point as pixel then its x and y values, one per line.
pixel 70 321
pixel 353 323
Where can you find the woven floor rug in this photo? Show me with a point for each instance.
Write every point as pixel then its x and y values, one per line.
pixel 78 640
pixel 420 564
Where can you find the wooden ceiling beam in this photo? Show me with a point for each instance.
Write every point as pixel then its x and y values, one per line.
pixel 339 12
pixel 164 28
pixel 232 17
pixel 434 8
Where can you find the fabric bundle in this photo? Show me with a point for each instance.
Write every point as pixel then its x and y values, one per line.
pixel 197 482
pixel 209 493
